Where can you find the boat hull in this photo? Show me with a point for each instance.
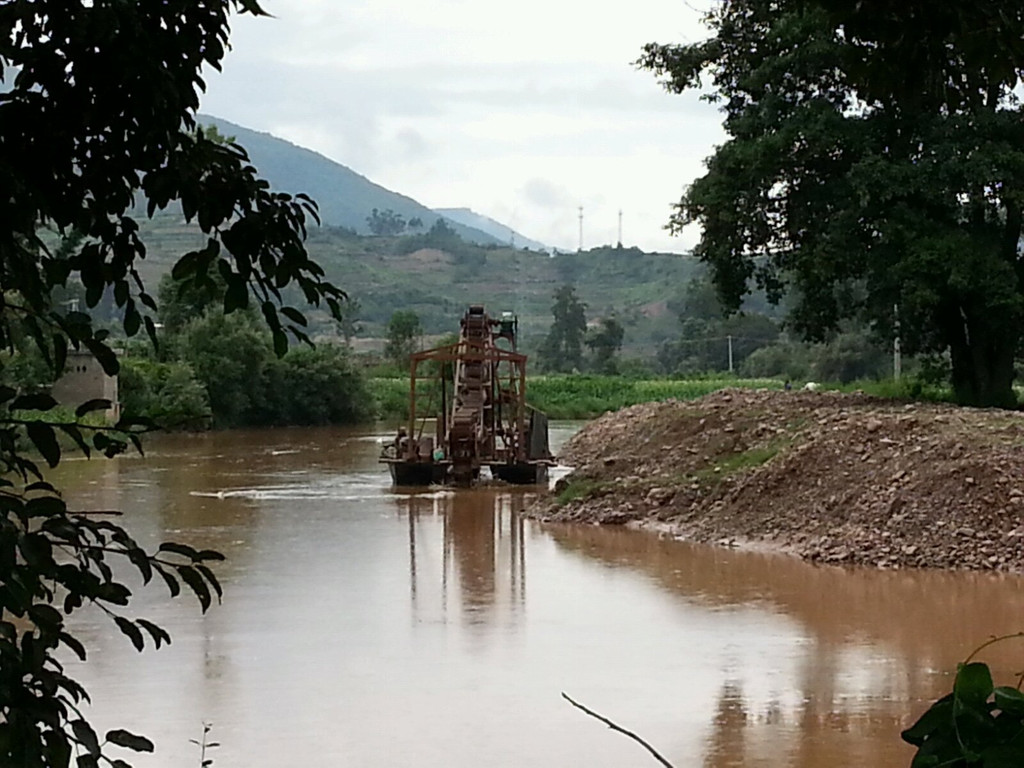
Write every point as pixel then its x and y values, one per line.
pixel 525 473
pixel 417 473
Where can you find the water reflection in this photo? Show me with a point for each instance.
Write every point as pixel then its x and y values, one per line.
pixel 933 617
pixel 483 551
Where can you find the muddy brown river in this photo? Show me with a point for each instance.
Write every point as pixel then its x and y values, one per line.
pixel 362 626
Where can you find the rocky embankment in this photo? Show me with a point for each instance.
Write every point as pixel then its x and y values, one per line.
pixel 835 478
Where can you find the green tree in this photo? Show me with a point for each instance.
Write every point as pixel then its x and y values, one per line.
pixel 99 116
pixel 403 333
pixel 562 348
pixel 706 334
pixel 181 301
pixel 786 360
pixel 213 134
pixel 604 342
pixel 442 237
pixel 315 387
pixel 229 354
pixel 849 356
pixel 348 325
pixel 385 223
pixel 854 193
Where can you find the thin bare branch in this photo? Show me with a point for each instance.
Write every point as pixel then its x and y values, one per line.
pixel 620 729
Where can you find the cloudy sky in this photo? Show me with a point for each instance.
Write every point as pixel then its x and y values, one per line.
pixel 523 112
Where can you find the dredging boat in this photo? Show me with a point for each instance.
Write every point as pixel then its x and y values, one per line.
pixel 474 392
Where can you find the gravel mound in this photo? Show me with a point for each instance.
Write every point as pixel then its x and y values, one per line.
pixel 835 478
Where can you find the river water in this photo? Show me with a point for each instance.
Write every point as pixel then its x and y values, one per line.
pixel 362 626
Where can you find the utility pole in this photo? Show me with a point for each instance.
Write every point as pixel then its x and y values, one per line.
pixel 897 359
pixel 729 337
pixel 580 249
pixel 620 228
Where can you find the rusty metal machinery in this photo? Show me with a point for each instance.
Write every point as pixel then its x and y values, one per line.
pixel 481 419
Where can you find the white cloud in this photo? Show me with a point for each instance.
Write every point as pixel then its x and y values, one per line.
pixel 527 111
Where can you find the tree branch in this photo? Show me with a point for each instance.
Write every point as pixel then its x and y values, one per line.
pixel 620 729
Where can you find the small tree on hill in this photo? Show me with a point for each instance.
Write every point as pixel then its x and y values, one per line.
pixel 604 342
pixel 562 349
pixel 403 334
pixel 385 223
pixel 348 325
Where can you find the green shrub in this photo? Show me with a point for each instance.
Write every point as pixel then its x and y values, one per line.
pixel 168 393
pixel 315 387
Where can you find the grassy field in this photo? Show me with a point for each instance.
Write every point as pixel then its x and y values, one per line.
pixel 577 397
pixel 583 397
pixel 588 396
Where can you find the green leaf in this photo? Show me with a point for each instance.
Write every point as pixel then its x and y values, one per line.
pixel 92 405
pixel 129 629
pixel 151 332
pixel 73 643
pixel 973 684
pixel 236 295
pixel 75 434
pixel 58 746
pixel 179 549
pixel 132 320
pixel 45 506
pixel 86 736
pixel 172 583
pixel 140 560
pixel 294 315
pixel 192 577
pixel 128 740
pixel 112 592
pixel 1009 699
pixel 45 441
pixel 159 634
pixel 60 352
pixel 37 551
pixel 103 354
pixel 939 715
pixel 46 617
pixel 37 402
pixel 185 266
pixel 211 578
pixel 280 342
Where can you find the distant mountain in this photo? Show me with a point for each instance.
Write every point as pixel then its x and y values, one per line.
pixel 345 197
pixel 503 232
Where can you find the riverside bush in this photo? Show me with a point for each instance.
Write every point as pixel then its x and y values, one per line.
pixel 168 393
pixel 247 385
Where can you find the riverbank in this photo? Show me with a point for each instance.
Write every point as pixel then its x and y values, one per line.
pixel 830 477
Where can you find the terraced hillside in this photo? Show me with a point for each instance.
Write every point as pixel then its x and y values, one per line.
pixel 438 284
